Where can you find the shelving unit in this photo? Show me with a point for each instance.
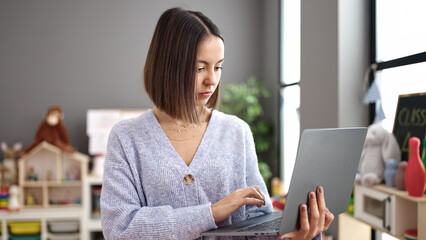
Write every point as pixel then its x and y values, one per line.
pixel 406 212
pixel 44 215
pixel 51 191
pixel 49 177
pixel 91 223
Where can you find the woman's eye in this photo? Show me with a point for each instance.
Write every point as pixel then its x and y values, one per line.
pixel 218 68
pixel 200 69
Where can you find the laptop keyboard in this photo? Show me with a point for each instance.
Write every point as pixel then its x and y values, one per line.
pixel 272 225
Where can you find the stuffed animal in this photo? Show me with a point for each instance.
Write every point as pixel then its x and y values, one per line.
pixel 13 204
pixel 52 130
pixel 380 146
pixel 9 165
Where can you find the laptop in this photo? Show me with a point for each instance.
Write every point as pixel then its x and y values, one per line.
pixel 326 157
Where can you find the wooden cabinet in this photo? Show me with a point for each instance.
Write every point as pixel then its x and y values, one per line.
pixel 390 210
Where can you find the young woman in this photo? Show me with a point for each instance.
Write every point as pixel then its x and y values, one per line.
pixel 183 167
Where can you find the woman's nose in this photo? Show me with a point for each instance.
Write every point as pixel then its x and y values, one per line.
pixel 211 78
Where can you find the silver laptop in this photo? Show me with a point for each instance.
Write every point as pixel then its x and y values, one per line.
pixel 327 158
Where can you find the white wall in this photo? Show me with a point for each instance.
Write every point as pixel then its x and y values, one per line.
pixel 353 58
pixel 334 56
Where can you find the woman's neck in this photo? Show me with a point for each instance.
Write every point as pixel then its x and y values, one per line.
pixel 163 117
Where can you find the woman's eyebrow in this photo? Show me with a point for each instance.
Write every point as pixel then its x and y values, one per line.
pixel 205 62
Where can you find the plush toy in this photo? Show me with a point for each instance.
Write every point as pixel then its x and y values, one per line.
pixel 52 130
pixel 13 204
pixel 9 165
pixel 380 146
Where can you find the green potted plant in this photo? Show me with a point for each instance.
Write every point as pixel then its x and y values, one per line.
pixel 243 100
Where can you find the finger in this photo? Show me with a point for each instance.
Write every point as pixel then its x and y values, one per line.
pixel 314 218
pixel 329 217
pixel 304 224
pixel 304 220
pixel 254 192
pixel 321 207
pixel 260 192
pixel 289 235
pixel 253 201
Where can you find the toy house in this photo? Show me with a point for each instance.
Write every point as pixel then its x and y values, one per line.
pixel 49 177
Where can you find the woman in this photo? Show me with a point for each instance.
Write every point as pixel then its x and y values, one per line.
pixel 183 168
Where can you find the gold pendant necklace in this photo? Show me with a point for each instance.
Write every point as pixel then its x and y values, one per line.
pixel 184 129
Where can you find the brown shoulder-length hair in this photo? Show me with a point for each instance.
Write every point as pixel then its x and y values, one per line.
pixel 170 67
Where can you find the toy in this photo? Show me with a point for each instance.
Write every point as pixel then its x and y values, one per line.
pixel 424 154
pixel 415 178
pixel 3 171
pixel 72 174
pixel 30 201
pixel 278 196
pixel 351 205
pixel 379 146
pixel 9 166
pixel 411 234
pixel 49 175
pixel 277 187
pixel 31 174
pixel 4 197
pixel 13 198
pixel 400 176
pixel 391 168
pixel 52 130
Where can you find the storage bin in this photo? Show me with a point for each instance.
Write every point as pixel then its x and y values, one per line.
pixel 24 228
pixel 64 236
pixel 25 237
pixel 64 226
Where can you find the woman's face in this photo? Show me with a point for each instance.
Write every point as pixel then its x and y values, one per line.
pixel 209 68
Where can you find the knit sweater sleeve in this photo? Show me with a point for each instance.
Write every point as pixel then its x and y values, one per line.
pixel 253 176
pixel 124 210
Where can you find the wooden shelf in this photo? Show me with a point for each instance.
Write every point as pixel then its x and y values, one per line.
pixel 399 193
pixel 34 184
pixel 41 180
pixel 406 212
pixel 90 224
pixel 52 183
pixel 65 184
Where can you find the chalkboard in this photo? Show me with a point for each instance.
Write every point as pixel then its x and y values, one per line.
pixel 410 121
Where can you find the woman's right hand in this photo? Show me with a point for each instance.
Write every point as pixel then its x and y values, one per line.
pixel 231 203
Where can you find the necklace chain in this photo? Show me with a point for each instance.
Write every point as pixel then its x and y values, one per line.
pixel 185 139
pixel 187 129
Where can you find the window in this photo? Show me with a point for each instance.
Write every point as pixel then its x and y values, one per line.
pixel 290 89
pixel 400 48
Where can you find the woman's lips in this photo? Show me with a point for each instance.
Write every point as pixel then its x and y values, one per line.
pixel 205 94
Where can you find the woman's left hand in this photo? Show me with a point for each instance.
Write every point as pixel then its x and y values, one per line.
pixel 319 220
